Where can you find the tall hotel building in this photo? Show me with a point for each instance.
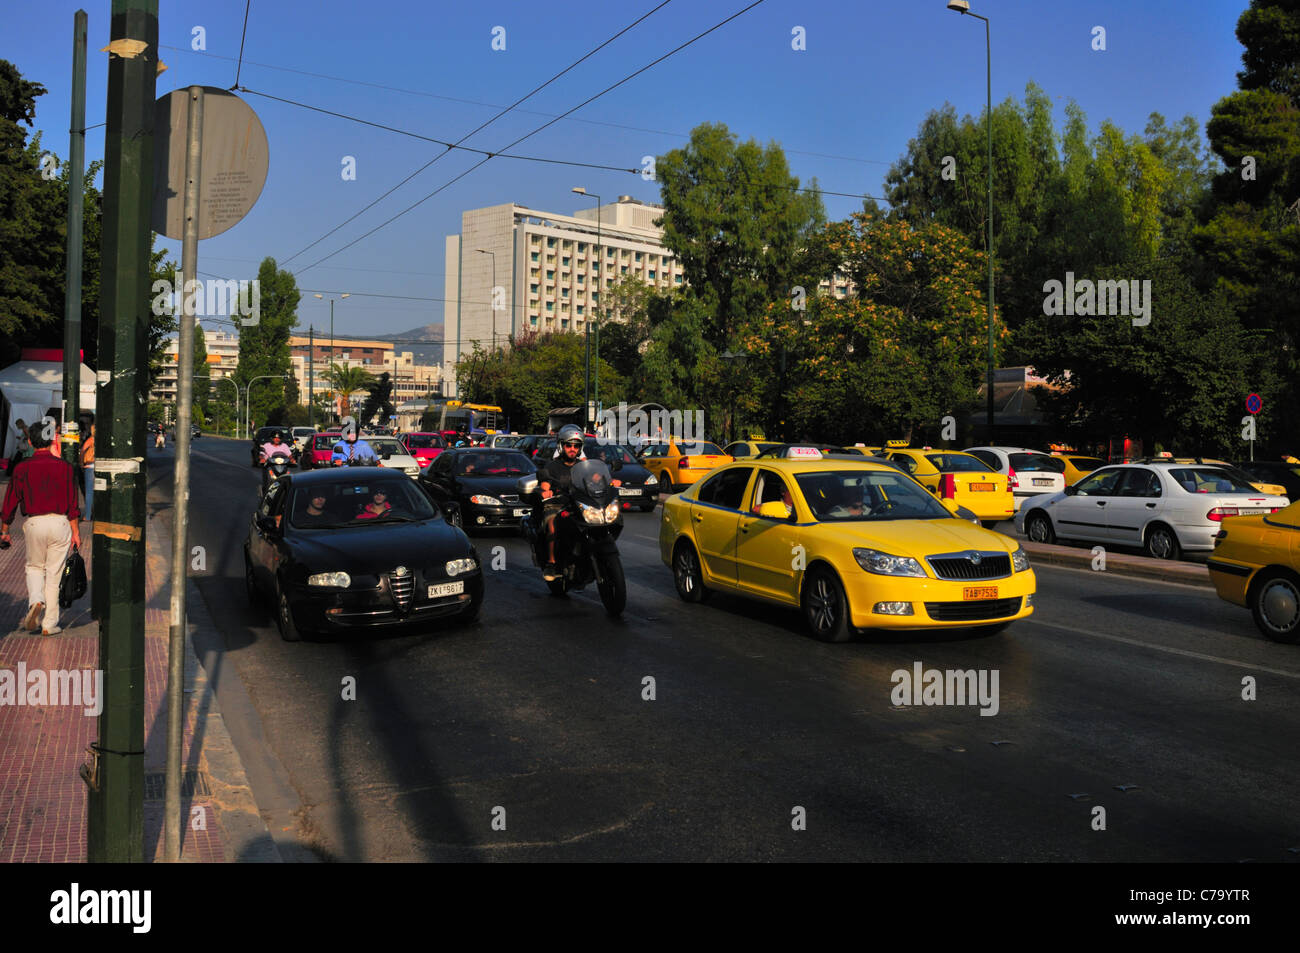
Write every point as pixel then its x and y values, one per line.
pixel 546 265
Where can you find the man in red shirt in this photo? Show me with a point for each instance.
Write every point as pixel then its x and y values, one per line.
pixel 46 488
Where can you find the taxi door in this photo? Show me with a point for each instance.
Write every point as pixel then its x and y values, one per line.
pixel 715 515
pixel 765 547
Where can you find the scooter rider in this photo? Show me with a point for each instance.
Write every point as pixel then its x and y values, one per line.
pixel 555 481
pixel 350 449
pixel 273 446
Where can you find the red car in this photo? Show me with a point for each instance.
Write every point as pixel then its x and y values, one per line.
pixel 318 449
pixel 423 446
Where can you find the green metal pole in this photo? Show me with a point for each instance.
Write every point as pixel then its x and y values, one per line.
pixel 115 815
pixel 988 121
pixel 72 288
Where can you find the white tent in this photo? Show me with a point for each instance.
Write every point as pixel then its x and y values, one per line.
pixel 30 388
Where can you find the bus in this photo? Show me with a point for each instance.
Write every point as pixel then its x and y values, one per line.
pixel 445 414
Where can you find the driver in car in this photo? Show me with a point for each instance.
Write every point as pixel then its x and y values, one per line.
pixel 315 514
pixel 378 506
pixel 851 504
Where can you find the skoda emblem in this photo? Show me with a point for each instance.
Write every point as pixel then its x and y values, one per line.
pixel 975 558
pixel 400 571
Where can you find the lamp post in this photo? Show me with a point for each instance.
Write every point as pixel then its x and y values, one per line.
pixel 346 294
pixel 492 296
pixel 963 7
pixel 586 325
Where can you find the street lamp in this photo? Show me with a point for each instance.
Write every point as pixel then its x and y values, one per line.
pixel 232 383
pixel 248 398
pixel 346 294
pixel 492 295
pixel 586 325
pixel 963 7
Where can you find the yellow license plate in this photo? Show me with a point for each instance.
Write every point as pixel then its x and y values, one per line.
pixel 980 592
pixel 985 487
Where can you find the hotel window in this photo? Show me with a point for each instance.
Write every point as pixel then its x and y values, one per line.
pixel 550 243
pixel 534 256
pixel 624 271
pixel 550 259
pixel 581 278
pixel 609 253
pixel 550 274
pixel 582 248
pixel 581 309
pixel 652 274
pixel 533 288
pixel 550 306
pixel 565 261
pixel 564 292
pixel 638 256
pixel 533 321
pixel 564 322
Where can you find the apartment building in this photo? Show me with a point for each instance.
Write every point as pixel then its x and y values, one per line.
pixel 410 379
pixel 223 359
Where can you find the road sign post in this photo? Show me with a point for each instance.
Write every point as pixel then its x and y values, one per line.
pixel 1254 404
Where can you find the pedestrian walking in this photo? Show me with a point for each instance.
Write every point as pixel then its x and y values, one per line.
pixel 88 468
pixel 45 488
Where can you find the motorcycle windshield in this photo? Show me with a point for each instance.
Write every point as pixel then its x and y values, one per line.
pixel 591 482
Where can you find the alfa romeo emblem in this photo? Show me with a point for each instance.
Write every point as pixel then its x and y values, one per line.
pixel 400 571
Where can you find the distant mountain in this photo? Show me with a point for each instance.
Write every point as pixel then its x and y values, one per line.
pixel 425 342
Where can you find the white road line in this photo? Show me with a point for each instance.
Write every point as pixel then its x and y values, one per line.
pixel 1167 649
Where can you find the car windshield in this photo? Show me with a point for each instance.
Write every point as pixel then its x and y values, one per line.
pixel 958 463
pixel 1036 461
pixel 698 447
pixel 608 452
pixel 387 446
pixel 1086 464
pixel 357 503
pixel 424 441
pixel 1209 480
pixel 505 463
pixel 839 496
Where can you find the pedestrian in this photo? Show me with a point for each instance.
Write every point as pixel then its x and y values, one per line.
pixel 88 467
pixel 22 445
pixel 45 488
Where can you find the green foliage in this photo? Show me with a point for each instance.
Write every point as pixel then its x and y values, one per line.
pixel 378 401
pixel 264 347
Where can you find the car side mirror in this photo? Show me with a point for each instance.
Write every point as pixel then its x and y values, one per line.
pixel 527 486
pixel 774 509
pixel 449 509
pixel 1071 490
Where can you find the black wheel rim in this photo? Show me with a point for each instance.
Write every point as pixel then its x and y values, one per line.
pixel 686 571
pixel 823 605
pixel 1162 544
pixel 1038 530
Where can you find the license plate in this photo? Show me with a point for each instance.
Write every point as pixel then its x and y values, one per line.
pixel 980 592
pixel 447 589
pixel 626 491
pixel 982 487
pixel 523 512
pixel 1042 483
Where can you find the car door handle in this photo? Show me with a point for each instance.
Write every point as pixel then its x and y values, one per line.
pixel 1101 502
pixel 699 517
pixel 1151 506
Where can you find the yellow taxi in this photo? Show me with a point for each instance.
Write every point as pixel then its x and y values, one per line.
pixel 854 545
pixel 746 449
pixel 1272 489
pixel 677 465
pixel 1077 465
pixel 959 476
pixel 1256 564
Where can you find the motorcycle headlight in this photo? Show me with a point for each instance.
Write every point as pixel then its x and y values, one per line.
pixel 485 500
pixel 1019 560
pixel 337 580
pixel 611 513
pixel 457 566
pixel 592 514
pixel 884 564
pixel 652 480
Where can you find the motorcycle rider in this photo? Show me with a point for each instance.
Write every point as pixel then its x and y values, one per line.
pixel 273 446
pixel 350 448
pixel 555 482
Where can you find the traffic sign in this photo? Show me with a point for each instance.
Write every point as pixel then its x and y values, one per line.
pixel 1254 403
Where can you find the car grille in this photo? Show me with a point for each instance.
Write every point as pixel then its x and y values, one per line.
pixel 963 565
pixel 403 588
pixel 969 611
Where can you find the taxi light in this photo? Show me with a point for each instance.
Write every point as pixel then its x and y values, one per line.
pixel 1012 480
pixel 893 608
pixel 1219 512
pixel 948 486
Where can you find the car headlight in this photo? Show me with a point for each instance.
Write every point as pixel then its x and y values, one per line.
pixel 611 513
pixel 338 580
pixel 485 500
pixel 457 566
pixel 592 514
pixel 884 564
pixel 652 480
pixel 1019 560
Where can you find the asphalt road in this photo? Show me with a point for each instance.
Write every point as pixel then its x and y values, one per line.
pixel 538 709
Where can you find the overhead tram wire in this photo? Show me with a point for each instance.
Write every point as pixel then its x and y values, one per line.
pixel 242 36
pixel 449 146
pixel 534 132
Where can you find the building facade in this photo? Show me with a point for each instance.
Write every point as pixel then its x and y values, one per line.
pixel 223 359
pixel 311 362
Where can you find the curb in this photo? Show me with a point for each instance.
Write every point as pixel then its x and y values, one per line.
pixel 1189 574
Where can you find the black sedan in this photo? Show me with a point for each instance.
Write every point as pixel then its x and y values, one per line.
pixel 481 482
pixel 637 486
pixel 357 548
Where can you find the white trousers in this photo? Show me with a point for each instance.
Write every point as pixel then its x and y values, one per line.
pixel 48 540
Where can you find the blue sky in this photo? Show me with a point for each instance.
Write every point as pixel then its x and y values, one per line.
pixel 843 108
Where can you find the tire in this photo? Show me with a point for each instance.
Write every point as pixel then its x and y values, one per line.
pixel 613 591
pixel 284 618
pixel 1275 604
pixel 250 585
pixel 1162 543
pixel 557 586
pixel 825 608
pixel 1038 528
pixel 688 575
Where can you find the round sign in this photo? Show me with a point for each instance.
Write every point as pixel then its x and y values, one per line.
pixel 234 162
pixel 1254 403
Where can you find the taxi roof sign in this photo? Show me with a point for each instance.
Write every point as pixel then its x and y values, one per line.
pixel 803 453
pixel 897 443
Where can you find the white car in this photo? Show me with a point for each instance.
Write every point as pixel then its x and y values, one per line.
pixel 301 435
pixel 1031 473
pixel 392 453
pixel 1164 508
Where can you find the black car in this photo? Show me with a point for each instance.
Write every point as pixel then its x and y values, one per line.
pixel 527 444
pixel 637 486
pixel 481 482
pixel 1275 471
pixel 264 434
pixel 378 553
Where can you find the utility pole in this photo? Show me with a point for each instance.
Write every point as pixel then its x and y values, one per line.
pixel 115 774
pixel 311 376
pixel 72 288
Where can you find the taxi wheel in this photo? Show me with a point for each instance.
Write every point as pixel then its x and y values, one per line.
pixel 687 575
pixel 1039 529
pixel 284 618
pixel 824 606
pixel 1275 604
pixel 1162 543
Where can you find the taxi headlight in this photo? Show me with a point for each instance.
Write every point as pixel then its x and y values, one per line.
pixel 485 500
pixel 611 513
pixel 652 480
pixel 593 514
pixel 1019 560
pixel 457 566
pixel 884 564
pixel 338 580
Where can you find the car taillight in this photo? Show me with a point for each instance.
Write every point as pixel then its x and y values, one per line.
pixel 1012 480
pixel 684 462
pixel 948 486
pixel 1219 512
pixel 422 461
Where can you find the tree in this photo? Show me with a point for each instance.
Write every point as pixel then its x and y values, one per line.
pixel 202 373
pixel 347 381
pixel 264 346
pixel 379 400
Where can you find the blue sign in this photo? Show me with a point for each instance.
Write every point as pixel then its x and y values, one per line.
pixel 1254 403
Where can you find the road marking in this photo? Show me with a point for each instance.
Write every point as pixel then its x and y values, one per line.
pixel 1169 649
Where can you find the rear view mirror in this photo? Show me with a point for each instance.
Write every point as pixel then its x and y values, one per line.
pixel 774 509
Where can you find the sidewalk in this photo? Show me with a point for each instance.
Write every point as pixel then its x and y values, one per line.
pixel 43 800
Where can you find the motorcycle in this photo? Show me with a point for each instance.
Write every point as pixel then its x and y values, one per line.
pixel 586 529
pixel 274 468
